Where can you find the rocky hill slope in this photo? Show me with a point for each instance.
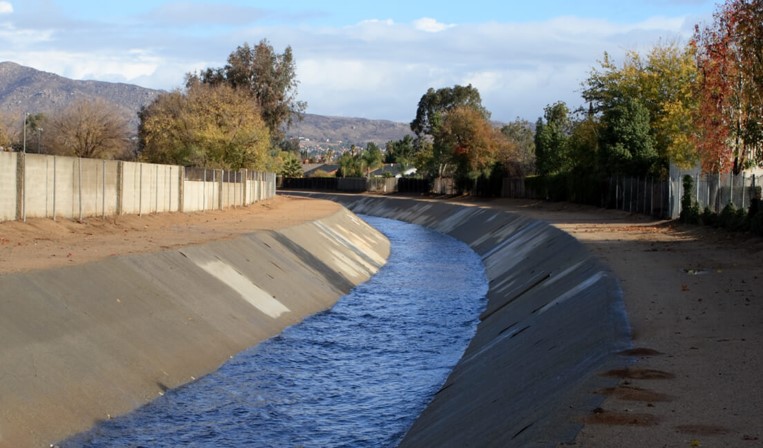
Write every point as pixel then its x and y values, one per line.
pixel 25 89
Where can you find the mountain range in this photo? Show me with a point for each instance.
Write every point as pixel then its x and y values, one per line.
pixel 25 89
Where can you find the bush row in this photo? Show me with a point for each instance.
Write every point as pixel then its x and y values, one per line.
pixel 730 218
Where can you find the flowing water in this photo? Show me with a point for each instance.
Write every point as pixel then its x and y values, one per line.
pixel 357 375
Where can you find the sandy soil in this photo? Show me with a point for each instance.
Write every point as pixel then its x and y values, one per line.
pixel 44 243
pixel 694 298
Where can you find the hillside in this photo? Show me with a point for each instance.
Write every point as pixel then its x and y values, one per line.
pixel 358 131
pixel 24 89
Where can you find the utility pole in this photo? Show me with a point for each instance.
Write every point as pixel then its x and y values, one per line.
pixel 26 118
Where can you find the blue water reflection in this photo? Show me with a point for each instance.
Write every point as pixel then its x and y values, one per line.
pixel 354 376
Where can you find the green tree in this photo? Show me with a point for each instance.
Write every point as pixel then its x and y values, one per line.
pixel 290 145
pixel 291 165
pixel 434 104
pixel 372 158
pixel 435 144
pixel 551 135
pixel 351 164
pixel 400 151
pixel 583 145
pixel 268 77
pixel 664 84
pixel 627 143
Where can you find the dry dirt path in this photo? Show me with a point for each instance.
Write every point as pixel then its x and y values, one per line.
pixel 44 243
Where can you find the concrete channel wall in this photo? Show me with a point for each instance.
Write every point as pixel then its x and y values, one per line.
pixel 554 322
pixel 84 343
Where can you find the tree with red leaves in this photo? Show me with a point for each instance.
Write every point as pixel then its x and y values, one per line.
pixel 730 114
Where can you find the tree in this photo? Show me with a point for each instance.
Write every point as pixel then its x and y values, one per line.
pixel 435 103
pixel 551 150
pixel 88 128
pixel 6 136
pixel 664 84
pixel 627 144
pixel 468 141
pixel 731 90
pixel 351 163
pixel 584 145
pixel 400 151
pixel 291 166
pixel 372 158
pixel 213 126
pixel 521 134
pixel 270 78
pixel 434 147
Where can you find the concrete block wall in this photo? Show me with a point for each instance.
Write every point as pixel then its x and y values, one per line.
pixel 200 195
pixel 8 199
pixel 150 188
pixel 46 186
pixel 555 321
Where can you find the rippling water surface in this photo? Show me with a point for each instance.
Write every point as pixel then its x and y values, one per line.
pixel 354 376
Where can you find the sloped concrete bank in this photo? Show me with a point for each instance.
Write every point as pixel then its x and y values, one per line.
pixel 87 342
pixel 554 322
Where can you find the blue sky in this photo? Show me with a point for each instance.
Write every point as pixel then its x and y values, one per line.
pixel 361 59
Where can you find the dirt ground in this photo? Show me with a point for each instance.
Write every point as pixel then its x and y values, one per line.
pixel 44 243
pixel 694 298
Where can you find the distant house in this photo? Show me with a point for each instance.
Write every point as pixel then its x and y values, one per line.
pixel 392 170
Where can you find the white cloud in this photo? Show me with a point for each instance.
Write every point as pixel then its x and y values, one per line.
pixel 373 69
pixel 430 25
pixel 6 7
pixel 13 38
pixel 103 67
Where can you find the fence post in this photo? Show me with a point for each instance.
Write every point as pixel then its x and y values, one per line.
pixel 47 184
pixel 181 189
pixel 20 175
pixel 55 175
pixel 79 186
pixel 156 189
pixel 103 187
pixel 168 194
pixel 244 181
pixel 120 187
pixel 219 187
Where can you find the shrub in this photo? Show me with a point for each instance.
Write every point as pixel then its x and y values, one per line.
pixel 732 218
pixel 708 217
pixel 756 223
pixel 689 207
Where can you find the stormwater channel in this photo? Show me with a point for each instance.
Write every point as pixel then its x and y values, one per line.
pixel 356 375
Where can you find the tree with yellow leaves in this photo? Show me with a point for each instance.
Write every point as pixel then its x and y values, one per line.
pixel 212 126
